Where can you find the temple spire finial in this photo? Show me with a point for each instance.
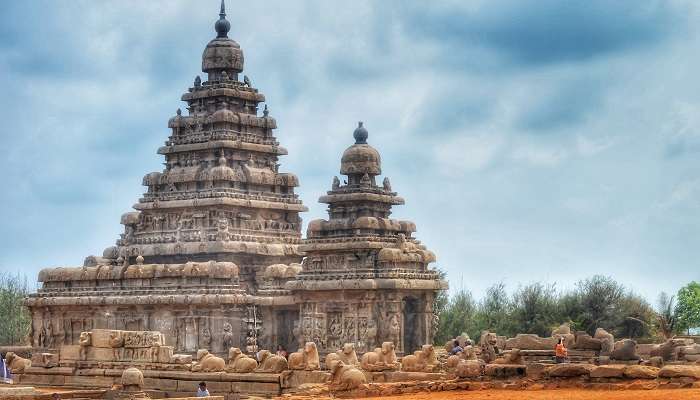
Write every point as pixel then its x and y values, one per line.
pixel 222 26
pixel 360 134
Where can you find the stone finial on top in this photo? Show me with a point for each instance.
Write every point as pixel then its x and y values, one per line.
pixel 266 112
pixel 360 134
pixel 222 26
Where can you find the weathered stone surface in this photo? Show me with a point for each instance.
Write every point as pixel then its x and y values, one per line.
pixel 16 364
pixel 624 350
pixel 381 359
pixel 607 341
pixel 536 370
pixel 469 369
pixel 608 371
pixel 678 371
pixel 504 370
pixel 207 362
pixel 569 370
pixel 46 360
pixel 423 360
pixel 584 341
pixel 307 359
pixel 641 372
pixel 531 342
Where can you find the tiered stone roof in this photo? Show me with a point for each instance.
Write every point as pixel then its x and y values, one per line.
pixel 359 246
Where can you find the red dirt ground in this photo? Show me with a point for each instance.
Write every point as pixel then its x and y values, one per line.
pixel 558 394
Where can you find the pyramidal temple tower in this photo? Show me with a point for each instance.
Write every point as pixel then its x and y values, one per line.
pixel 207 251
pixel 365 278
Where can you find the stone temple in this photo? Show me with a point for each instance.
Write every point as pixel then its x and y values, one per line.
pixel 213 258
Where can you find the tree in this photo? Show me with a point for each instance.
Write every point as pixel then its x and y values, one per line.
pixel 666 315
pixel 439 305
pixel 598 299
pixel 636 317
pixel 494 313
pixel 535 309
pixel 15 321
pixel 688 307
pixel 457 317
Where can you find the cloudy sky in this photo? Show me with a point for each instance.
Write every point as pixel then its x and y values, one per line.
pixel 532 140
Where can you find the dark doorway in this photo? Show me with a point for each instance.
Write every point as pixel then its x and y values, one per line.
pixel 285 330
pixel 411 330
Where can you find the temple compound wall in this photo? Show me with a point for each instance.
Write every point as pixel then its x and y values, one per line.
pixel 212 254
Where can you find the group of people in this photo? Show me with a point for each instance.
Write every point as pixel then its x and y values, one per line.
pixel 202 390
pixel 561 353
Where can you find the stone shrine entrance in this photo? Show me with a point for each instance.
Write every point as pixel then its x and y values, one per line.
pixel 411 328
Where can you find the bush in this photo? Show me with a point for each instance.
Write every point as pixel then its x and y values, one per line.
pixel 15 320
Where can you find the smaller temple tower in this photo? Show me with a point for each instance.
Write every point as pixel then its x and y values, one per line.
pixel 365 278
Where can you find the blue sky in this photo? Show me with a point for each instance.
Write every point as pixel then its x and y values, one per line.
pixel 532 140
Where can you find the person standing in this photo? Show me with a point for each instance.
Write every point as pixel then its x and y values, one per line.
pixel 561 354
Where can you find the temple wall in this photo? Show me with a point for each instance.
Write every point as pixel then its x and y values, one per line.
pixel 366 318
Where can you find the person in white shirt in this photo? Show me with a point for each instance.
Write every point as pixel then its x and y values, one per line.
pixel 202 390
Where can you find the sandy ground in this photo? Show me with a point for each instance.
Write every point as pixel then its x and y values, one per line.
pixel 559 394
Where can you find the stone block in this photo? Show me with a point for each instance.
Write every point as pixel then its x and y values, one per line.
pixel 165 353
pixel 536 370
pixel 46 360
pixel 69 352
pixel 298 378
pixel 400 376
pixel 679 371
pixel 102 337
pixel 258 388
pixel 165 385
pixel 641 372
pixel 608 371
pixel 569 370
pixel 90 381
pixel 102 354
pixel 90 372
pixel 526 341
pixel 49 371
pixel 505 370
pixel 469 369
pixel 42 380
pixel 181 359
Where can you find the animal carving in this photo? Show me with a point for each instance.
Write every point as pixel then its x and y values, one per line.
pixel 16 364
pixel 84 341
pixel 272 363
pixel 306 358
pixel 347 355
pixel 345 377
pixel 207 362
pixel 423 360
pixel 468 354
pixel 512 358
pixel 488 346
pixel 239 362
pixel 381 359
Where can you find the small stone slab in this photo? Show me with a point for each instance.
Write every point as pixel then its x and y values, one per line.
pixel 608 371
pixel 569 370
pixel 641 372
pixel 679 371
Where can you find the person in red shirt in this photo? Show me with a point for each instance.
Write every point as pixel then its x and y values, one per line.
pixel 561 354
